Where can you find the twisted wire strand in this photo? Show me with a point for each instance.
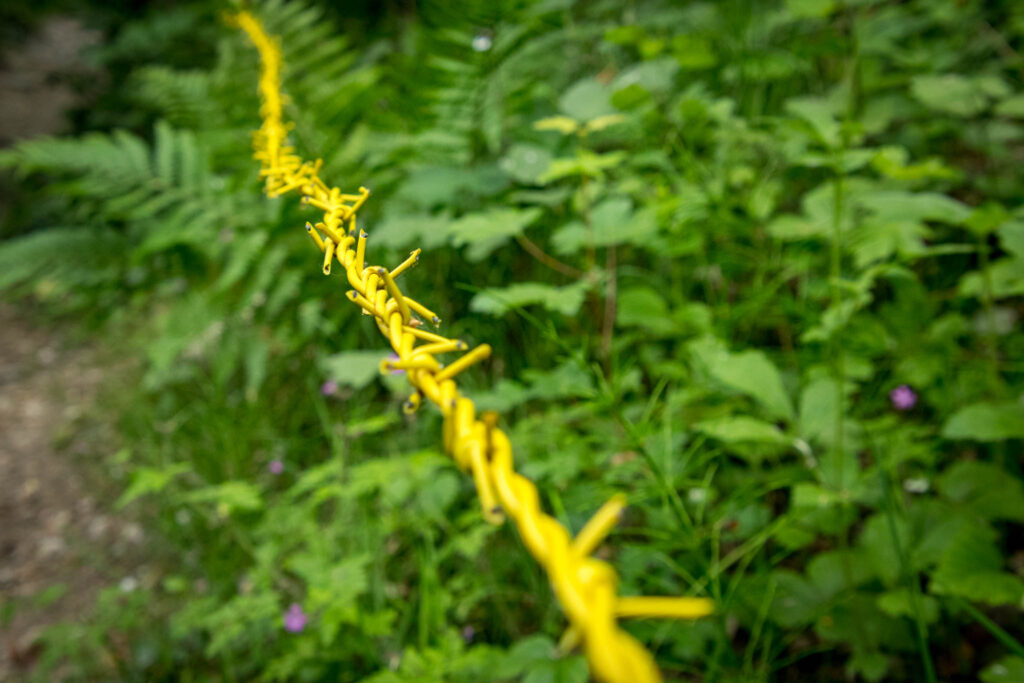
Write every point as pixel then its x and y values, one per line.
pixel 585 587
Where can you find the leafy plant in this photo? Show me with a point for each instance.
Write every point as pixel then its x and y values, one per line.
pixel 756 264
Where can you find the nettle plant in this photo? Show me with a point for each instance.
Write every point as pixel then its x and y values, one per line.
pixel 758 264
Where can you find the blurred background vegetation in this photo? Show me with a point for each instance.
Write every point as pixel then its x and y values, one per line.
pixel 758 265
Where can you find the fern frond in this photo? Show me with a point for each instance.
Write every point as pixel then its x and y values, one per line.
pixel 492 65
pixel 183 98
pixel 117 160
pixel 66 257
pixel 163 191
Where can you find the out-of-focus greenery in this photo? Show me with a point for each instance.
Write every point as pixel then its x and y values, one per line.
pixel 706 241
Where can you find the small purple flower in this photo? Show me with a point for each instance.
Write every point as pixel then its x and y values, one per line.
pixel 329 388
pixel 903 397
pixel 294 619
pixel 275 467
pixel 467 633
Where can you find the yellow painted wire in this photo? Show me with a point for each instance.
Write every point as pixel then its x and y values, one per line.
pixel 585 587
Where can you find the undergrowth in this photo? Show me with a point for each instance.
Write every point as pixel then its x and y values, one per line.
pixel 759 265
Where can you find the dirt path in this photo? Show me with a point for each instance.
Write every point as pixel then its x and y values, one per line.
pixel 58 545
pixel 55 539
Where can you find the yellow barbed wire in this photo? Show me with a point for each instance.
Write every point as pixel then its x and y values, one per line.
pixel 586 588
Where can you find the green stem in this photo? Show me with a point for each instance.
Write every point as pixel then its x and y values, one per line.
pixel 921 628
pixel 610 306
pixel 988 303
pixel 835 275
pixel 669 491
pixel 992 627
pixel 323 416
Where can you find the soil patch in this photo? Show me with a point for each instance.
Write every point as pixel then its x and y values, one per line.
pixel 58 545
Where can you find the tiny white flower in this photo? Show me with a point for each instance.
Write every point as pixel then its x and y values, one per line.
pixel 482 42
pixel 916 485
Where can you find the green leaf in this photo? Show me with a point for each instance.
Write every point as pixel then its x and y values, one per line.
pixel 901 602
pixel 971 568
pixel 891 161
pixel 1012 107
pixel 353 368
pixel 502 397
pixel 644 307
pixel 797 601
pixel 586 163
pixel 371 425
pixel 879 547
pixel 986 218
pixel 876 240
pixel 899 205
pixel 232 622
pixel 602 122
pixel 488 230
pixel 1009 669
pixel 630 97
pixel 419 229
pixel 986 421
pixel 943 525
pixel 789 227
pixel 1006 275
pixel 950 93
pixel 693 52
pixel 563 124
pixel 987 489
pixel 811 496
pixel 810 9
pixel 346 580
pixel 741 428
pixel 526 652
pixel 525 163
pixel 819 114
pixel 150 480
pixel 1011 237
pixel 331 583
pixel 856 620
pixel 395 477
pixel 656 75
pixel 749 372
pixel 427 187
pixel 872 666
pixel 752 373
pixel 568 380
pixel 499 300
pixel 613 221
pixel 585 100
pixel 435 496
pixel 229 496
pixel 837 571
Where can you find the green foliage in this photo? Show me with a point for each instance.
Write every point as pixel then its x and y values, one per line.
pixel 498 301
pixel 986 422
pixel 488 231
pixel 706 241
